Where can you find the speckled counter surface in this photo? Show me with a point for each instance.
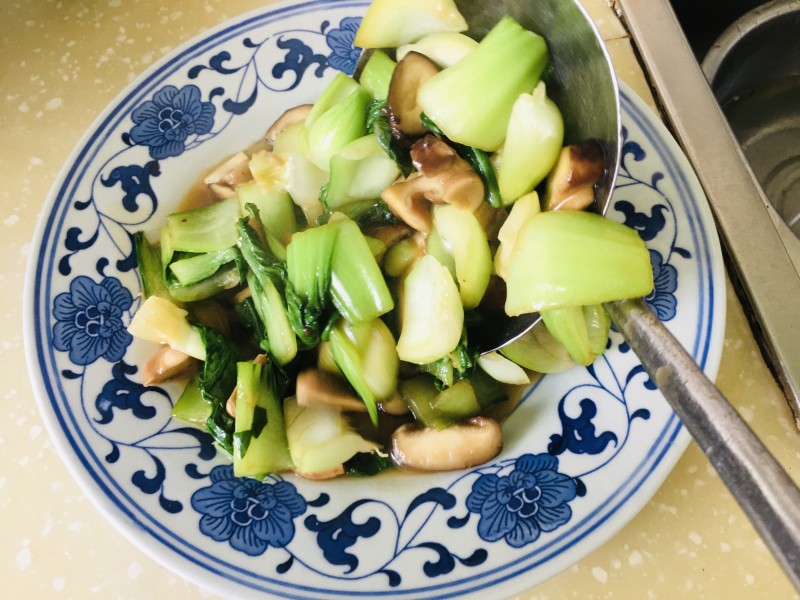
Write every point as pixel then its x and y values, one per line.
pixel 62 63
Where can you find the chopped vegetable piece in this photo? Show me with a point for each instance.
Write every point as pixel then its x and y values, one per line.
pixel 466 239
pixel 191 406
pixel 376 74
pixel 148 259
pixel 198 267
pixel 358 289
pixel 522 210
pixel 471 101
pixel 159 320
pixel 342 123
pixel 359 173
pixel 439 408
pixel 205 229
pixel 401 256
pixel 260 446
pixel 339 88
pixel 275 211
pixel 571 258
pixel 392 23
pixel 533 143
pixel 218 375
pixel 320 438
pixel 226 278
pixel 598 323
pixel 568 326
pixel 366 355
pixel 432 313
pixel 445 49
pixel 502 369
pixel 308 266
pixel 539 351
pixel 304 179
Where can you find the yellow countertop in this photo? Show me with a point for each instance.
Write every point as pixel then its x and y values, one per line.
pixel 63 62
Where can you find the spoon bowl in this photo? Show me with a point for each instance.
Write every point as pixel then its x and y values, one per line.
pixel 581 81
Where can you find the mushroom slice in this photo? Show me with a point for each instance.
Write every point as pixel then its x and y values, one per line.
pixel 391 234
pixel 406 199
pixel 456 182
pixel 409 75
pixel 317 388
pixel 165 364
pixel 230 403
pixel 232 172
pixel 221 191
pixel 461 446
pixel 289 117
pixel 321 475
pixel 442 177
pixel 395 405
pixel 570 185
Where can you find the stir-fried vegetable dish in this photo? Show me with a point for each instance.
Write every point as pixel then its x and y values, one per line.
pixel 319 300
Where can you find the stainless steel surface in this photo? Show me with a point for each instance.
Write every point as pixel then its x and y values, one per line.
pixel 767 494
pixel 754 71
pixel 763 261
pixel 580 79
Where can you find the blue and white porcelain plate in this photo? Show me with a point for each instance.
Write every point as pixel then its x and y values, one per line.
pixel 583 453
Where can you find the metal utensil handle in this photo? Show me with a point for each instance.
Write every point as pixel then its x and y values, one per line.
pixel 767 494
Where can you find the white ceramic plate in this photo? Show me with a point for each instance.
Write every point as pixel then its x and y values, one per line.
pixel 583 453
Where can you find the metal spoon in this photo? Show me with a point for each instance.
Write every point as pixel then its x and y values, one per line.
pixel 582 81
pixel 582 72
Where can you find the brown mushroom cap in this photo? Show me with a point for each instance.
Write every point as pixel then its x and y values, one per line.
pixel 442 177
pixel 466 444
pixel 570 185
pixel 289 117
pixel 409 75
pixel 315 387
pixel 165 364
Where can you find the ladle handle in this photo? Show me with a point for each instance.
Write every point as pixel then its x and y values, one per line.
pixel 767 494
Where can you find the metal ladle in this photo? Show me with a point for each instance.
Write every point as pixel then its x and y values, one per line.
pixel 582 82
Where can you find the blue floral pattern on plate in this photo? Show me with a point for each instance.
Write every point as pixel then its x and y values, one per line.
pixel 89 321
pixel 164 123
pixel 518 507
pixel 583 450
pixel 249 514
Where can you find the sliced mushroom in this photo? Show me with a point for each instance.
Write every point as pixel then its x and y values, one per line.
pixel 409 75
pixel 460 184
pixel 491 219
pixel 222 191
pixel 289 117
pixel 322 475
pixel 165 364
pixel 230 404
pixel 391 234
pixel 315 388
pixel 395 405
pixel 570 185
pixel 442 177
pixel 406 199
pixel 463 445
pixel 232 172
